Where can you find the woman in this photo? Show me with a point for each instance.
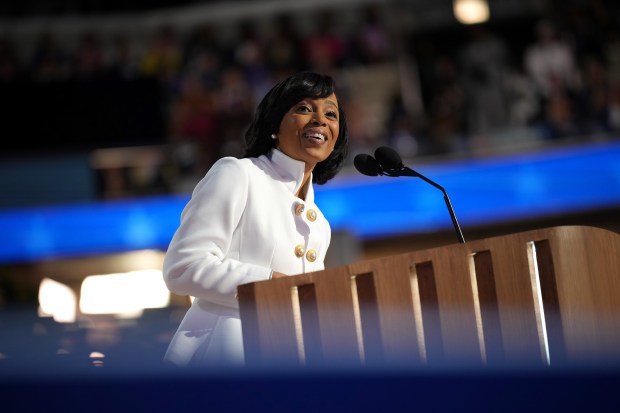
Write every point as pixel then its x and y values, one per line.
pixel 254 218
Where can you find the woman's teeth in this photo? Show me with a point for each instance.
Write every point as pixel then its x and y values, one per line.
pixel 315 135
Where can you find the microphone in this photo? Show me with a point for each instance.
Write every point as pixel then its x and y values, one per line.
pixel 389 163
pixel 367 165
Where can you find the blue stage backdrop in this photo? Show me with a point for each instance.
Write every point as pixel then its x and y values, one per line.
pixel 484 191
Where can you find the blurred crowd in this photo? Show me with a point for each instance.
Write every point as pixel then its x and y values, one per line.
pixel 556 77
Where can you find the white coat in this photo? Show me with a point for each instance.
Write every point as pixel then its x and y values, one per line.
pixel 242 222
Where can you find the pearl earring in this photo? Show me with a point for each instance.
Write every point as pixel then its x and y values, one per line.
pixel 273 136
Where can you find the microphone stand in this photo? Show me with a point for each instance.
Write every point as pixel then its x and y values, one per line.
pixel 405 171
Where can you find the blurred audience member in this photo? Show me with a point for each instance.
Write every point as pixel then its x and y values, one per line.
pixel 360 141
pixel 325 49
pixel 88 61
pixel 249 54
pixel 193 121
pixel 614 108
pixel 10 67
pixel 235 102
pixel 49 61
pixel 371 39
pixel 550 61
pixel 401 129
pixel 558 117
pixel 484 63
pixel 284 54
pixel 446 109
pixel 522 98
pixel 612 58
pixel 124 59
pixel 163 59
pixel 594 98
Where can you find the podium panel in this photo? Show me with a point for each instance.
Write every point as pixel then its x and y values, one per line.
pixel 542 297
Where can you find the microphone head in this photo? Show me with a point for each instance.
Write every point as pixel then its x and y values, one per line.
pixel 367 165
pixel 388 158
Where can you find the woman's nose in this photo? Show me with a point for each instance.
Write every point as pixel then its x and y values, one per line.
pixel 317 119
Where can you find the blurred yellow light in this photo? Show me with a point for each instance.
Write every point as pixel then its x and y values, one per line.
pixel 57 300
pixel 124 294
pixel 471 11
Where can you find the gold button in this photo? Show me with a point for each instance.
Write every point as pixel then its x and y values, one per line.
pixel 299 209
pixel 311 255
pixel 311 214
pixel 299 251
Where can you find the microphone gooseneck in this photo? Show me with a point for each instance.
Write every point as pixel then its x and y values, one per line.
pixel 389 163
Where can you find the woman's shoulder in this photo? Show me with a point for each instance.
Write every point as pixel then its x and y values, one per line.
pixel 230 168
pixel 231 163
pixel 231 160
pixel 226 173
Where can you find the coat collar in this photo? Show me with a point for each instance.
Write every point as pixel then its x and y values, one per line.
pixel 290 171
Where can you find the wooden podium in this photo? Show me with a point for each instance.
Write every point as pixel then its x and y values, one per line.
pixel 542 297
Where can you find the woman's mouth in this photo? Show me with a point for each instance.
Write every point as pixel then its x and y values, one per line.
pixel 316 137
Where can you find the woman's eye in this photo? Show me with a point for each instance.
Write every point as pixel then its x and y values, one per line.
pixel 308 109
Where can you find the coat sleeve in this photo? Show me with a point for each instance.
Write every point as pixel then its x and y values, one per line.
pixel 197 262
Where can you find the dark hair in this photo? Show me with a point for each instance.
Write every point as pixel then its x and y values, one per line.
pixel 274 106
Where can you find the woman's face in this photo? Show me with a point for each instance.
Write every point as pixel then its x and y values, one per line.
pixel 309 130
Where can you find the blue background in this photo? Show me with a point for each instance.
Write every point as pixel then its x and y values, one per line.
pixel 484 191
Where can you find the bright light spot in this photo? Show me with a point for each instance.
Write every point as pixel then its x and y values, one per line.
pixel 125 294
pixel 96 355
pixel 57 300
pixel 471 11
